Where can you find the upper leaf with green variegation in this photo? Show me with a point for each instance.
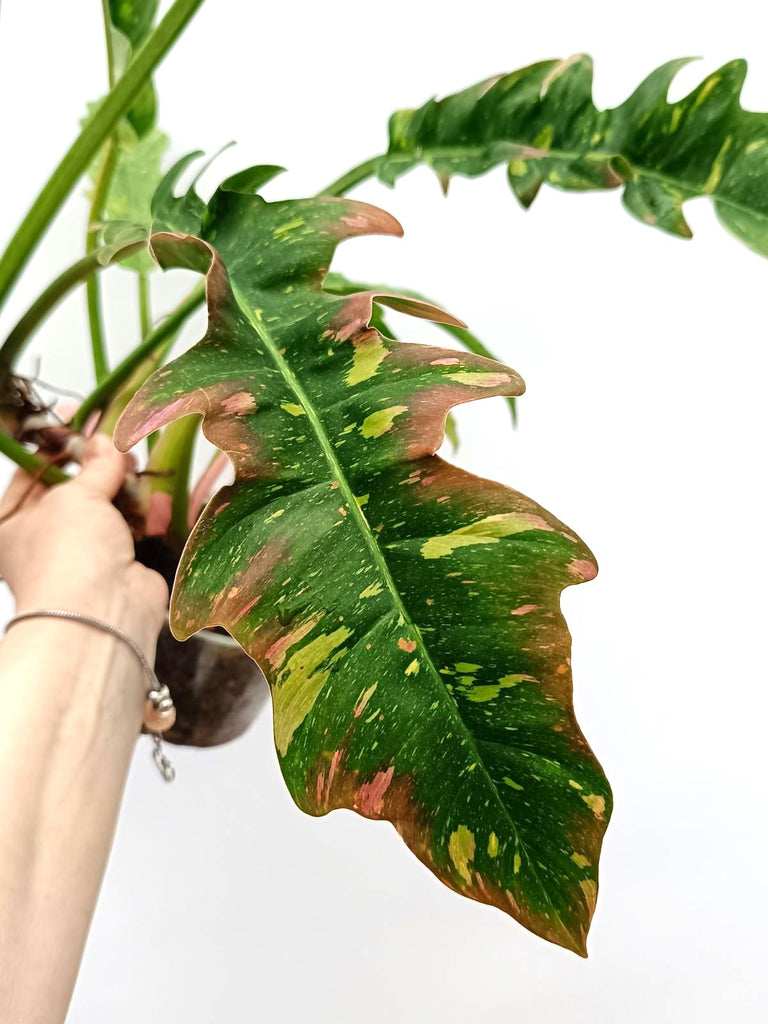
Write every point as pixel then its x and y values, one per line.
pixel 542 123
pixel 405 612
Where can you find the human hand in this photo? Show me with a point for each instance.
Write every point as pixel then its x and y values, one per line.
pixel 68 547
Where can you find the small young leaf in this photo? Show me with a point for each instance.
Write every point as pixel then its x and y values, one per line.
pixel 405 612
pixel 136 177
pixel 128 203
pixel 541 122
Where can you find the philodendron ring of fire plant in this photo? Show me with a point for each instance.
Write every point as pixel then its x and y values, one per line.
pixel 405 613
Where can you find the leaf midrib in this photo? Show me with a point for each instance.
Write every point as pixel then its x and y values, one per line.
pixel 355 511
pixel 338 471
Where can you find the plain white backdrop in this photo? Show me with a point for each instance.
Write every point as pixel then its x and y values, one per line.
pixel 643 428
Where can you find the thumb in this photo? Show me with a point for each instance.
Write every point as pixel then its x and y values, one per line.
pixel 103 466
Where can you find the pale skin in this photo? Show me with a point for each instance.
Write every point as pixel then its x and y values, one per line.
pixel 72 700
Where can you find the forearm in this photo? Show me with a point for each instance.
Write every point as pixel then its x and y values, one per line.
pixel 71 705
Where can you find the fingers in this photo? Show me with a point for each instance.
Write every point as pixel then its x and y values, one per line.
pixel 103 471
pixel 103 467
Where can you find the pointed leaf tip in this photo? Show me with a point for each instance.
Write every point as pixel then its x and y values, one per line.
pixel 361 219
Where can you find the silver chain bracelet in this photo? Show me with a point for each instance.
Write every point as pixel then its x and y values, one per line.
pixel 159 714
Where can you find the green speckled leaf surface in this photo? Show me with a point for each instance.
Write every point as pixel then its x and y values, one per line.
pixel 405 612
pixel 541 122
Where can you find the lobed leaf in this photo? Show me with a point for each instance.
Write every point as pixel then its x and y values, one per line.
pixel 405 612
pixel 542 123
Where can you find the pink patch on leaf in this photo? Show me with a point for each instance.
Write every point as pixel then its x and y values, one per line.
pixel 584 569
pixel 356 222
pixel 239 404
pixel 444 362
pixel 406 645
pixel 370 796
pixel 158 418
pixel 331 773
pixel 348 330
pixel 246 608
pixel 275 654
pixel 524 609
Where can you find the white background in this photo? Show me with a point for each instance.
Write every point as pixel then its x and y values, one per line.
pixel 643 428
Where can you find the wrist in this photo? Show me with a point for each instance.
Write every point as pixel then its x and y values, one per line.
pixel 76 666
pixel 116 605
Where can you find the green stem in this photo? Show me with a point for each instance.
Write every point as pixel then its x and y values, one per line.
pixel 101 396
pixel 145 312
pixel 32 463
pixel 95 213
pixel 53 294
pixel 352 178
pixel 91 139
pixel 93 286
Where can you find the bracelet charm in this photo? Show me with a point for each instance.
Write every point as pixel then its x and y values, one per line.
pixel 160 713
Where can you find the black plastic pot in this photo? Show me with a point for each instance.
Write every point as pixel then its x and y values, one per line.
pixel 217 689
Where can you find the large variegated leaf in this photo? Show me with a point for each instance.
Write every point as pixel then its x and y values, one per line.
pixel 542 123
pixel 405 612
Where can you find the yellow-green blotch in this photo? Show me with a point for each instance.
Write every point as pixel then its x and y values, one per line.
pixel 461 847
pixel 380 422
pixel 717 167
pixel 299 683
pixel 484 531
pixel 365 362
pixel 488 691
